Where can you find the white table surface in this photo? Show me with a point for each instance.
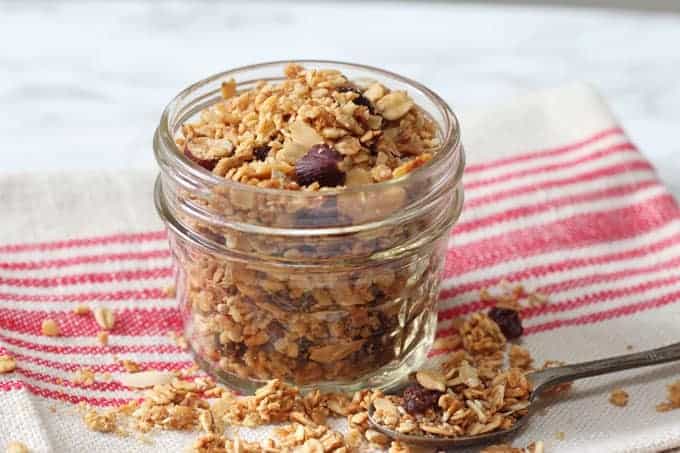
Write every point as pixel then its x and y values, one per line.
pixel 82 84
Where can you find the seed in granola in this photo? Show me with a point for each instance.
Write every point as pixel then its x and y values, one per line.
pixel 50 328
pixel 508 320
pixel 7 364
pixel 320 165
pixel 208 164
pixel 418 399
pixel 261 152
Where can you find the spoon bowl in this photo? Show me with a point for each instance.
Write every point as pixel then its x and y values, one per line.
pixel 541 381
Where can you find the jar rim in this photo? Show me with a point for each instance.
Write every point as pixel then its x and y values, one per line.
pixel 166 150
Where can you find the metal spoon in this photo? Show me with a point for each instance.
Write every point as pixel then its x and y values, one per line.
pixel 541 380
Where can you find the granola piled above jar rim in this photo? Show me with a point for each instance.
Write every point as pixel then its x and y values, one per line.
pixel 329 282
pixel 316 128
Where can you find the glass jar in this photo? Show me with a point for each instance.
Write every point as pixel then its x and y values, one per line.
pixel 337 288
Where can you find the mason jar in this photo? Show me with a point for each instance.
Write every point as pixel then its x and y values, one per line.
pixel 335 289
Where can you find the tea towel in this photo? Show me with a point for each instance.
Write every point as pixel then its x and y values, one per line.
pixel 557 197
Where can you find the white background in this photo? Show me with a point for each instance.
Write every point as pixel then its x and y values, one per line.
pixel 82 84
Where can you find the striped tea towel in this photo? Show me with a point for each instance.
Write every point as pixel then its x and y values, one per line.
pixel 556 197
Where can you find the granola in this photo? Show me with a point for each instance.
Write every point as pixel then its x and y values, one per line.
pixel 261 319
pixel 471 395
pixel 618 397
pixel 7 364
pixel 105 318
pixel 673 399
pixel 50 328
pixel 257 136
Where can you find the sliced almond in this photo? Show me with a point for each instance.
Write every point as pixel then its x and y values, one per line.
pixel 394 105
pixel 374 92
pixel 146 379
pixel 291 152
pixel 304 134
pixel 431 380
pixel 469 375
pixel 104 317
pixel 333 352
pixel 386 406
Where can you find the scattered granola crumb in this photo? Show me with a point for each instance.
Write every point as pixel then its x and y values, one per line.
pixel 170 291
pixel 103 337
pixel 178 339
pixel 16 447
pixel 103 423
pixel 618 397
pixel 105 318
pixel 559 435
pixel 84 376
pixel 130 366
pixel 50 328
pixel 7 364
pixel 481 335
pixel 520 357
pixel 81 310
pixel 514 297
pixel 629 347
pixel 534 447
pixel 673 398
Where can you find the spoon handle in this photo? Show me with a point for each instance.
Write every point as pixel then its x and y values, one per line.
pixel 567 373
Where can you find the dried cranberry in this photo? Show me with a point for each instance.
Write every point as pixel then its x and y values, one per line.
pixel 208 164
pixel 508 320
pixel 320 164
pixel 261 152
pixel 418 399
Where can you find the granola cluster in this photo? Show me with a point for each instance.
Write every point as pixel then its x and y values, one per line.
pixel 263 136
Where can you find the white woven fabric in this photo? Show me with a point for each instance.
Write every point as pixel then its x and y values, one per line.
pixel 556 197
